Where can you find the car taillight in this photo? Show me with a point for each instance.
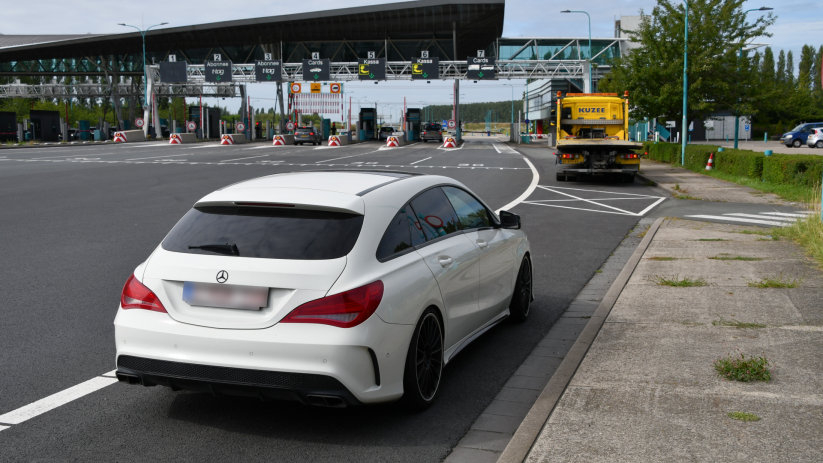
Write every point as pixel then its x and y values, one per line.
pixel 630 156
pixel 343 310
pixel 311 133
pixel 135 295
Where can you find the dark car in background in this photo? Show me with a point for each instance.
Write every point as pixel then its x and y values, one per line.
pixel 432 131
pixel 797 136
pixel 385 132
pixel 307 134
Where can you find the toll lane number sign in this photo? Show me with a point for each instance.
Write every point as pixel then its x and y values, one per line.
pixel 425 68
pixel 316 70
pixel 480 68
pixel 371 69
pixel 218 72
pixel 267 71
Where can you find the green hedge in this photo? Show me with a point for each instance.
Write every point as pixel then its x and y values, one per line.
pixel 790 169
pixel 793 169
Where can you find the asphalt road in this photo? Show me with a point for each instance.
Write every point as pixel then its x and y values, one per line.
pixel 76 221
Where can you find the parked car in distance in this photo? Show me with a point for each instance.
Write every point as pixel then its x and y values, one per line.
pixel 385 132
pixel 432 131
pixel 797 136
pixel 331 288
pixel 815 139
pixel 307 134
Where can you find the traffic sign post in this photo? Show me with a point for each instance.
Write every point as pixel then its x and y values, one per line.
pixel 267 71
pixel 316 70
pixel 371 69
pixel 139 123
pixel 241 127
pixel 217 72
pixel 173 72
pixel 295 87
pixel 290 126
pixel 452 124
pixel 191 126
pixel 425 68
pixel 335 87
pixel 480 68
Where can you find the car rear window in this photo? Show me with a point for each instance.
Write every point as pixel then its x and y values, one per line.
pixel 264 232
pixel 432 127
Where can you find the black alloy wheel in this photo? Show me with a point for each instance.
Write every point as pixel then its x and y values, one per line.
pixel 522 296
pixel 424 362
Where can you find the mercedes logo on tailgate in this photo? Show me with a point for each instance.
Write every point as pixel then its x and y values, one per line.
pixel 222 276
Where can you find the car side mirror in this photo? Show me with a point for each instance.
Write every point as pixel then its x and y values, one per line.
pixel 509 220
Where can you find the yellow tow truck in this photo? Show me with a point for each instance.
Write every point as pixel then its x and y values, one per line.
pixel 593 136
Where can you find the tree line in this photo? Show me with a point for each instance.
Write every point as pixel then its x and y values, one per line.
pixel 727 71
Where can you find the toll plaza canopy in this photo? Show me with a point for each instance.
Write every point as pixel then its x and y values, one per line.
pixel 451 30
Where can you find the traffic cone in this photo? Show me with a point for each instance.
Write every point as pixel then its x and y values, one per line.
pixel 710 164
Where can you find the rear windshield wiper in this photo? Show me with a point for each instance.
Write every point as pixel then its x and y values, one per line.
pixel 227 249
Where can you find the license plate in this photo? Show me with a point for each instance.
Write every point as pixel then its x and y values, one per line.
pixel 225 296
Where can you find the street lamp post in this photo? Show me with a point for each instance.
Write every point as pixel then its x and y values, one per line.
pixel 591 89
pixel 740 58
pixel 143 33
pixel 683 128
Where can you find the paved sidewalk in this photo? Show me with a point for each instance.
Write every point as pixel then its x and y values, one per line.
pixel 646 389
pixel 684 183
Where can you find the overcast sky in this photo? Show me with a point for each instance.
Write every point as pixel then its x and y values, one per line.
pixel 798 22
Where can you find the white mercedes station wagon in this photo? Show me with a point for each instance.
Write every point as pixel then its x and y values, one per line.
pixel 331 288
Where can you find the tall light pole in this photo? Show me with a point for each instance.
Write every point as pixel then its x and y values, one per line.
pixel 740 58
pixel 591 89
pixel 143 33
pixel 684 129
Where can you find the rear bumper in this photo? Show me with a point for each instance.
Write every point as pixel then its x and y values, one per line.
pixel 293 361
pixel 629 169
pixel 308 389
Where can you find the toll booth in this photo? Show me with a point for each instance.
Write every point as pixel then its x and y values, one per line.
pixel 326 128
pixel 84 130
pixel 368 124
pixel 412 124
pixel 8 126
pixel 210 127
pixel 45 125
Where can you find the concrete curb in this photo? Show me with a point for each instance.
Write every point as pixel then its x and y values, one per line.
pixel 521 443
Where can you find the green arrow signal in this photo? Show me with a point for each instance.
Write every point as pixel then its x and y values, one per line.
pixel 425 75
pixel 218 78
pixel 480 74
pixel 316 76
pixel 268 76
pixel 371 75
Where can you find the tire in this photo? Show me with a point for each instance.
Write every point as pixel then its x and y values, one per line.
pixel 425 141
pixel 796 143
pixel 628 178
pixel 522 296
pixel 424 362
pixel 560 177
pixel 819 144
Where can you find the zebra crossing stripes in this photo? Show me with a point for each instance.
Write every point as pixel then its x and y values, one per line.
pixel 773 219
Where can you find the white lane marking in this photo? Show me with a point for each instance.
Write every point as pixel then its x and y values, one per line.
pixel 553 190
pixel 739 219
pixel 3 427
pixel 247 157
pixel 425 159
pixel 55 400
pixel 257 147
pixel 160 156
pixel 595 201
pixel 504 149
pixel 799 215
pixel 346 157
pixel 528 191
pixel 757 216
pixel 199 147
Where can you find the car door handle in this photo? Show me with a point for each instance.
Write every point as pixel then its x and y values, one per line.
pixel 445 261
pixel 482 243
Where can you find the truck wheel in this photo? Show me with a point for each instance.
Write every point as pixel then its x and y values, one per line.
pixel 560 177
pixel 628 178
pixel 796 143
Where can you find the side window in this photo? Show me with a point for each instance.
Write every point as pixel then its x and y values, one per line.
pixel 403 232
pixel 435 213
pixel 470 212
